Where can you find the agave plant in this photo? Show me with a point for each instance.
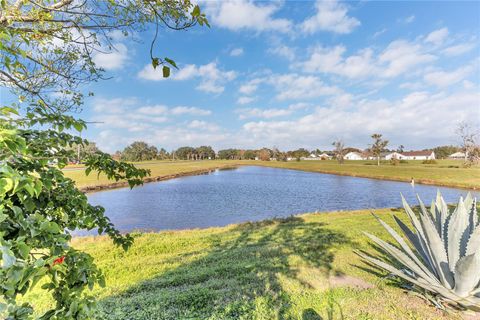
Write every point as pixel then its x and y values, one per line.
pixel 444 252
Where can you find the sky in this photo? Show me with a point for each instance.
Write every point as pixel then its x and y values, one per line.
pixel 294 74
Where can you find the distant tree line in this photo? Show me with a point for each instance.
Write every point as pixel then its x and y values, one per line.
pixel 142 151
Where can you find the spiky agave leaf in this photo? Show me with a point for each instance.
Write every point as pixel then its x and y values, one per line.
pixel 457 236
pixel 444 256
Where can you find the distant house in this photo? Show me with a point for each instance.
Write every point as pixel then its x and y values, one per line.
pixel 457 155
pixel 355 156
pixel 394 155
pixel 419 155
pixel 313 156
pixel 325 156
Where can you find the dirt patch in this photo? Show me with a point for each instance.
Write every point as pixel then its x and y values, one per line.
pixel 348 281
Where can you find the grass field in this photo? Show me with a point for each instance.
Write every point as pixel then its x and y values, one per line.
pixel 444 173
pixel 300 268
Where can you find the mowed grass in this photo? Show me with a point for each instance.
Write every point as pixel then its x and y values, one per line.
pixel 445 172
pixel 301 268
pixel 157 168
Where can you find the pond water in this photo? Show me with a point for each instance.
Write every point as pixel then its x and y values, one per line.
pixel 250 194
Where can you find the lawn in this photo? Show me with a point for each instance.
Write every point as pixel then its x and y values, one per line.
pixel 444 173
pixel 297 268
pixel 303 267
pixel 157 168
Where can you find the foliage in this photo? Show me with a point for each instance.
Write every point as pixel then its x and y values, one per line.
pixel 469 135
pixel 339 151
pixel 39 209
pixel 229 154
pixel 47 55
pixel 49 46
pixel 442 152
pixel 139 151
pixel 265 154
pixel 429 161
pixel 83 150
pixel 394 161
pixel 445 259
pixel 299 153
pixel 378 146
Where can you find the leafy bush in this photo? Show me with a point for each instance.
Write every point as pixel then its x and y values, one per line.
pixel 39 207
pixel 429 161
pixel 394 161
pixel 403 161
pixel 444 256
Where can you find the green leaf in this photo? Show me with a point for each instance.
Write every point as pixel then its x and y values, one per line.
pixel 166 71
pixel 8 257
pixel 196 11
pixel 155 63
pixel 171 62
pixel 6 184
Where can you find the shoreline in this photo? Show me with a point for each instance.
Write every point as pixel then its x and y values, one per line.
pixel 397 179
pixel 123 184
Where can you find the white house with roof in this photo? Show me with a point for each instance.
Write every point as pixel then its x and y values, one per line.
pixel 394 155
pixel 354 156
pixel 457 155
pixel 419 155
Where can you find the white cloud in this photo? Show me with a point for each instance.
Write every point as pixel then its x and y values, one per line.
pixel 113 106
pixel 417 120
pixel 236 52
pixel 291 86
pixel 401 56
pixel 212 79
pixel 251 86
pixel 245 100
pixel 246 113
pixel 246 15
pixel 283 51
pixel 445 79
pixel 154 110
pixel 379 33
pixel 190 111
pixel 408 19
pixel 437 37
pixel 113 60
pixel 331 60
pixel 262 113
pixel 330 16
pixel 458 49
pixel 294 86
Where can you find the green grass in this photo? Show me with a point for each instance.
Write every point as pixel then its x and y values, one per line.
pixel 157 168
pixel 444 173
pixel 297 268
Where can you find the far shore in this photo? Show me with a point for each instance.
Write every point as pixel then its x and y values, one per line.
pixel 446 173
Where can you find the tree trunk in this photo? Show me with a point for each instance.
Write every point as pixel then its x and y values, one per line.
pixel 378 160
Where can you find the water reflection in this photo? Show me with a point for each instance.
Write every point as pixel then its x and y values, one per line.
pixel 249 194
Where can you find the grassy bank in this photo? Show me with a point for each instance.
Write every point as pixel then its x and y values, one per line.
pixel 297 268
pixel 444 173
pixel 159 169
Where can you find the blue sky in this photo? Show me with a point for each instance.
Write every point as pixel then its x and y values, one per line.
pixel 296 74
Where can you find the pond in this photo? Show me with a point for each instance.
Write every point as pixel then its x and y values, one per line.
pixel 251 194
